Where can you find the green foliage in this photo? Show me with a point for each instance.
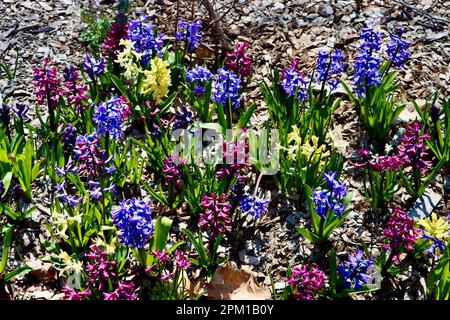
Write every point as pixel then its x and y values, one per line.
pixel 438 280
pixel 95 33
pixel 322 228
pixel 378 108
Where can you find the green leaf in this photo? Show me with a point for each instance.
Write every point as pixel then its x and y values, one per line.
pixel 162 228
pixel 305 233
pixel 18 272
pixel 198 245
pixel 246 117
pixel 6 244
pixel 333 271
pixel 6 182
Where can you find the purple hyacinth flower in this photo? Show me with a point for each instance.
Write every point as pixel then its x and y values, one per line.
pixel 146 39
pixel 190 33
pixel 93 67
pixel 368 60
pixel 133 220
pixel 295 83
pixel 227 86
pixel 398 49
pixel 20 110
pixel 254 206
pixel 199 76
pixel 5 116
pixel 354 271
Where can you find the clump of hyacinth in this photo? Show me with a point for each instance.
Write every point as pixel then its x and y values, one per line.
pixel 254 206
pixel 48 85
pixel 216 215
pixel 227 86
pixel 379 163
pixel 435 226
pixel 400 233
pixel 146 40
pixel 198 77
pixel 190 33
pixel 436 231
pixel 330 199
pixel 91 159
pixel 110 117
pixel 157 80
pixel 183 119
pixel 305 282
pixel 412 148
pixel 117 32
pixel 100 268
pixel 75 93
pixel 129 59
pixel 329 68
pixel 368 60
pixel 398 49
pixel 354 271
pixel 93 68
pixel 160 268
pixel 133 220
pixel 295 83
pixel 101 272
pixel 436 244
pixel 239 61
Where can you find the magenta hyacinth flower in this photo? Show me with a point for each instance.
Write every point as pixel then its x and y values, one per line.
pixel 99 268
pixel 216 215
pixel 117 32
pixel 181 261
pixel 412 148
pixel 48 85
pixel 239 61
pixel 124 291
pixel 400 233
pixel 305 282
pixel 75 93
pixel 72 294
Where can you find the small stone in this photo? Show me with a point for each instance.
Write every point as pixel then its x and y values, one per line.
pixel 251 260
pixel 312 16
pixel 326 11
pixel 424 205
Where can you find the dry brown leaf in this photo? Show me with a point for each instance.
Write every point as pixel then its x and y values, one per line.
pixel 231 283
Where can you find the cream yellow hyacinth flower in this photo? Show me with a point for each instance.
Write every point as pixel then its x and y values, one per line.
pixel 70 267
pixel 313 152
pixel 60 224
pixel 109 248
pixel 157 79
pixel 294 137
pixel 128 59
pixel 435 226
